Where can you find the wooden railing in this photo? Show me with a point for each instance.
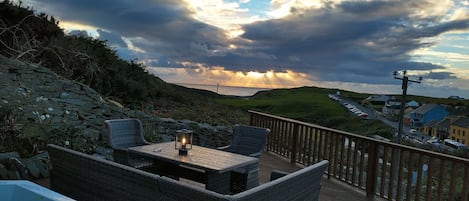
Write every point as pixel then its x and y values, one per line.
pixel 388 170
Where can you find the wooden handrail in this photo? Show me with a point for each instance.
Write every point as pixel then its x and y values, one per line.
pixel 385 169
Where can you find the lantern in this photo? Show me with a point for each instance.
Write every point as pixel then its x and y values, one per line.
pixel 183 141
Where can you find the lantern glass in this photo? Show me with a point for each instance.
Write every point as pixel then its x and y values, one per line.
pixel 183 141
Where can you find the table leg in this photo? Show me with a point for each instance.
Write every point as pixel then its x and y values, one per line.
pixel 218 182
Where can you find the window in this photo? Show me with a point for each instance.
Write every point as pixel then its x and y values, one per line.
pixel 454 130
pixel 463 133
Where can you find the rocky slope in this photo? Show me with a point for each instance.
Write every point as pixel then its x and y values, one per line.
pixel 38 107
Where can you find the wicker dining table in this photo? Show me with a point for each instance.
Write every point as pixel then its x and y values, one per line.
pixel 214 165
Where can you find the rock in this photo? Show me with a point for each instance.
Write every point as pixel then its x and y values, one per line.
pixel 116 103
pixel 167 120
pixel 44 99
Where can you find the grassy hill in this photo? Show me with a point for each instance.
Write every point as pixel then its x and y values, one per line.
pixel 305 103
pixel 310 104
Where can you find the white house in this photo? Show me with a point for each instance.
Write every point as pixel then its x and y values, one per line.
pixel 380 98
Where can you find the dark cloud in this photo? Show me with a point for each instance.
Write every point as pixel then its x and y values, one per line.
pixel 439 75
pixel 78 33
pixel 166 25
pixel 113 39
pixel 353 41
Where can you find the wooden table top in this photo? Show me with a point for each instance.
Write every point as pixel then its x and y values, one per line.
pixel 208 159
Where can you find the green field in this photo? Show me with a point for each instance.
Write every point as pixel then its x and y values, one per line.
pixel 310 104
pixel 300 103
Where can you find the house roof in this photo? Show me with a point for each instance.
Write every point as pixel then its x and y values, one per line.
pixel 432 124
pixel 412 104
pixel 377 97
pixel 445 123
pixel 393 107
pixel 425 108
pixel 462 122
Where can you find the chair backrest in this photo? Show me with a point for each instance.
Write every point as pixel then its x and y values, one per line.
pixel 303 184
pixel 86 177
pixel 124 133
pixel 247 140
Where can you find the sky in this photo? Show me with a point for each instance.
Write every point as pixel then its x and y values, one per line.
pixel 353 45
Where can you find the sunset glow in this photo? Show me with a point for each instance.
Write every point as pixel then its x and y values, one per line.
pixel 207 76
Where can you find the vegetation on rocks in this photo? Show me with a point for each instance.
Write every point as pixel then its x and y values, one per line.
pixel 38 40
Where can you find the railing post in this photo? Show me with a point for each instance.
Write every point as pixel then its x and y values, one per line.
pixel 251 119
pixel 371 171
pixel 294 143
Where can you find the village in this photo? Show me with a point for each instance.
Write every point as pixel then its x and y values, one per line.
pixel 441 126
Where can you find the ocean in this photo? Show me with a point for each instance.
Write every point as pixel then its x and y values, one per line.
pixel 226 90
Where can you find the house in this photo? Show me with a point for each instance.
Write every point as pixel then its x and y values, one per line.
pixel 379 99
pixel 459 130
pixel 407 119
pixel 425 113
pixel 444 125
pixel 431 128
pixel 392 106
pixel 454 97
pixel 443 128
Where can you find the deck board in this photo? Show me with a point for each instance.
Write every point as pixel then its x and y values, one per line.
pixel 331 190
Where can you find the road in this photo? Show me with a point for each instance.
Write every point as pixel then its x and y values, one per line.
pixel 373 114
pixel 416 138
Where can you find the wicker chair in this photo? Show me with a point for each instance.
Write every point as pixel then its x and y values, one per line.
pixel 86 177
pixel 125 133
pixel 249 141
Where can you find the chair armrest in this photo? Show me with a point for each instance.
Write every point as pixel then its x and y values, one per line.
pixel 145 141
pixel 257 154
pixel 223 148
pixel 119 149
pixel 275 174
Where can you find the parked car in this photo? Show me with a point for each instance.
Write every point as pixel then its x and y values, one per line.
pixel 455 145
pixel 433 140
pixel 364 115
pixel 355 110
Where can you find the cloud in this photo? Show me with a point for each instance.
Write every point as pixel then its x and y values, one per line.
pixel 439 75
pixel 166 26
pixel 113 39
pixel 78 33
pixel 352 41
pixel 326 41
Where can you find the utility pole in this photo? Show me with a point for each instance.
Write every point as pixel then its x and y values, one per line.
pixel 405 82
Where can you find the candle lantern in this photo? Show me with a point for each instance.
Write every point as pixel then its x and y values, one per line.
pixel 183 141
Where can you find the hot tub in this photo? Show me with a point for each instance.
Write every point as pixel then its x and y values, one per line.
pixel 22 190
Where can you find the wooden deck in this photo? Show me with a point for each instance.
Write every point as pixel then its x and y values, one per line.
pixel 331 190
